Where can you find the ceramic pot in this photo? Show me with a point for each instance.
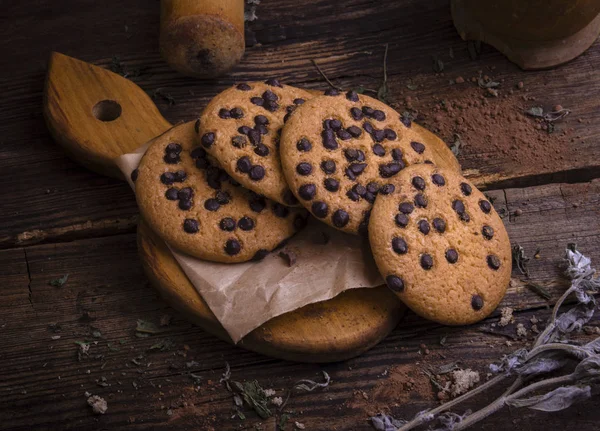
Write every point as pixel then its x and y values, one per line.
pixel 535 34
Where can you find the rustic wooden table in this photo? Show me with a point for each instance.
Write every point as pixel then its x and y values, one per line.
pixel 57 218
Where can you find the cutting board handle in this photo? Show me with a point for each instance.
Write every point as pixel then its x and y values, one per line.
pixel 97 115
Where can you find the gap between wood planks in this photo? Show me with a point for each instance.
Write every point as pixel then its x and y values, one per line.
pixel 116 226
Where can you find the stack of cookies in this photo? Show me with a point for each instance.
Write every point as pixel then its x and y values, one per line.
pixel 238 183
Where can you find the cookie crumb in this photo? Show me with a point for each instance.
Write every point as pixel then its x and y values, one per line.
pixel 98 404
pixel 521 330
pixel 507 316
pixel 463 380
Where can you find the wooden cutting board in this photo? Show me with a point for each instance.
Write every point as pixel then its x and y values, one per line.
pixel 96 116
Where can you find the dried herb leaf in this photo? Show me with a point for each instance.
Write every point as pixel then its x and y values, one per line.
pixel 576 317
pixel 553 116
pixel 509 362
pixel 412 86
pixel 447 368
pixel 449 420
pixel 145 327
pixel 437 385
pixel 456 145
pixel 588 368
pixel 443 340
pixel 59 282
pixel 520 260
pixel 112 348
pixel 554 401
pixel 593 346
pixel 251 393
pixel 226 376
pixel 489 84
pixel 536 288
pixel 255 397
pixel 307 385
pixel 542 365
pixel 163 345
pixel 283 420
pixel 536 111
pixel 383 422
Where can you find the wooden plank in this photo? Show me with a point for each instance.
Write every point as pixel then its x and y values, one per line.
pixel 348 44
pixel 107 291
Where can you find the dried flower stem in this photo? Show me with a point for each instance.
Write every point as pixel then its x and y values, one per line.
pixel 501 402
pixel 538 348
pixel 584 285
pixel 543 337
pixel 419 420
pixel 325 76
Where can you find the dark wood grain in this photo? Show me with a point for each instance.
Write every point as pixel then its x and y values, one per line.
pixel 87 222
pixel 107 291
pixel 346 41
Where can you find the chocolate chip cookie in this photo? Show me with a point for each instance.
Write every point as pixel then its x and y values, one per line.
pixel 441 246
pixel 340 150
pixel 241 129
pixel 200 210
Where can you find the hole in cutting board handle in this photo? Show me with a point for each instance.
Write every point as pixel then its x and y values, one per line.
pixel 107 110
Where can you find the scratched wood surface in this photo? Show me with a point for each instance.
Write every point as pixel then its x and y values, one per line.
pixel 57 218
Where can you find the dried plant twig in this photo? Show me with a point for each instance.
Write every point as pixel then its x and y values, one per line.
pixel 550 353
pixel 331 84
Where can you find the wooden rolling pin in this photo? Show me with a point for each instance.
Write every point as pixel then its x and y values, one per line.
pixel 202 38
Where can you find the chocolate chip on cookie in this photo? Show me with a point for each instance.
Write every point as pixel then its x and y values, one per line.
pixel 191 226
pixel 395 283
pixel 451 271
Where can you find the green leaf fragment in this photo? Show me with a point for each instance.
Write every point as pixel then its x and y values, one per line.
pixel 59 282
pixel 163 345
